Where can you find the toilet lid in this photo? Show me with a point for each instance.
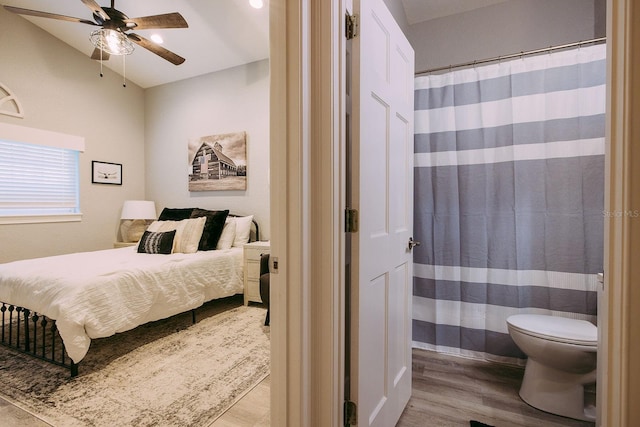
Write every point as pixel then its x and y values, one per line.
pixel 555 328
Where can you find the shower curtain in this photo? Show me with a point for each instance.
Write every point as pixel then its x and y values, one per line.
pixel 509 197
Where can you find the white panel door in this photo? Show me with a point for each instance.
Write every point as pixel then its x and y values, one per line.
pixel 382 191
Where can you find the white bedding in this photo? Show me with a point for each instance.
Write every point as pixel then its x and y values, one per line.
pixel 97 294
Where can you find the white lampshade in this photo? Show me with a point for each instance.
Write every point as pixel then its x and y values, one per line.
pixel 138 209
pixel 135 214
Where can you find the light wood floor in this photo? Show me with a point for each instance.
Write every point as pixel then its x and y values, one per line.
pixel 451 391
pixel 448 391
pixel 251 411
pixel 12 416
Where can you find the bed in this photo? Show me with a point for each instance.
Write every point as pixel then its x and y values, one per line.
pixel 89 295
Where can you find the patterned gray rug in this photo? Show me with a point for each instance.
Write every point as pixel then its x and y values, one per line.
pixel 165 373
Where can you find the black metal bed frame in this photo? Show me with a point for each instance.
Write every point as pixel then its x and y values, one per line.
pixel 36 335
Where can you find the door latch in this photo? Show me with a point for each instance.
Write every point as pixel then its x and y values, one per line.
pixel 412 243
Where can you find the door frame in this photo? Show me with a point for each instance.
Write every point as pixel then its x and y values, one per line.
pixel 307 200
pixel 618 372
pixel 307 309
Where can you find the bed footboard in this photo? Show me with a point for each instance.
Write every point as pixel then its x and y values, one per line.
pixel 33 334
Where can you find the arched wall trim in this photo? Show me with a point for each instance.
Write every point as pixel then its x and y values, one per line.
pixel 9 103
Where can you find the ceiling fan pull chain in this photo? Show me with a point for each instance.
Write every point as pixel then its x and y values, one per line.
pixel 101 75
pixel 124 71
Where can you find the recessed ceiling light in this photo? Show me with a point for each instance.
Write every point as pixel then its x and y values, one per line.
pixel 157 38
pixel 256 3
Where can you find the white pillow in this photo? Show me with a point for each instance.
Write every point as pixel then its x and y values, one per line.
pixel 188 233
pixel 161 226
pixel 228 235
pixel 243 230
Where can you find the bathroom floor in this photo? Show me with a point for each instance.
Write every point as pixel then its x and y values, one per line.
pixel 451 391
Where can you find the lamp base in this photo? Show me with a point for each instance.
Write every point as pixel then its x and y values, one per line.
pixel 132 230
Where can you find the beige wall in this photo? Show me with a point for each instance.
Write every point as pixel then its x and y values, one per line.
pixel 397 11
pixel 227 101
pixel 60 90
pixel 501 29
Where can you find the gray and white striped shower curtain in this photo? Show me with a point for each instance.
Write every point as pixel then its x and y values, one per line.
pixel 509 196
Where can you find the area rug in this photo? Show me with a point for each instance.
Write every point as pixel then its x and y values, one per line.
pixel 165 373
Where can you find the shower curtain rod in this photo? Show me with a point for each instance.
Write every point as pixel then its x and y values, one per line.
pixel 513 55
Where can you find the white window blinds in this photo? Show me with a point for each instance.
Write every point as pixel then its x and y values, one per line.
pixel 37 180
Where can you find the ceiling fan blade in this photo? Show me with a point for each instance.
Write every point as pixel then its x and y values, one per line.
pixel 96 9
pixel 167 20
pixel 21 11
pixel 158 50
pixel 96 55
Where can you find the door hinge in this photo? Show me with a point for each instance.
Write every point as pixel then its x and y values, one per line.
pixel 351 26
pixel 350 413
pixel 351 220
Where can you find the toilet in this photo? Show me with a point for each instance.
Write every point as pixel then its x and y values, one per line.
pixel 561 362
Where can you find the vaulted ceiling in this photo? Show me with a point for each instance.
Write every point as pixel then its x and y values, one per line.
pixel 221 33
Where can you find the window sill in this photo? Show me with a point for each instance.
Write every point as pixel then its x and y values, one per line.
pixel 37 219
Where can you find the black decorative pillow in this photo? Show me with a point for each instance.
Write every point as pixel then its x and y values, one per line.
pixel 160 242
pixel 175 214
pixel 212 227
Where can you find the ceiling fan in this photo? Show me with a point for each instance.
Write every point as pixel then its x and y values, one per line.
pixel 114 37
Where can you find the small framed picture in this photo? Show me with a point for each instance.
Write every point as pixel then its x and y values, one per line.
pixel 106 173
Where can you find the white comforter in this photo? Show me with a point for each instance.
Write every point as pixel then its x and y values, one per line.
pixel 97 294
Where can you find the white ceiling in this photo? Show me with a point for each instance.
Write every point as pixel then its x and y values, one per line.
pixel 221 34
pixel 425 10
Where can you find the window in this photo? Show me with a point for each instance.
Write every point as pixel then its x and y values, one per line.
pixel 38 183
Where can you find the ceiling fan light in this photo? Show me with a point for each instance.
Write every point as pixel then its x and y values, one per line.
pixel 111 41
pixel 256 3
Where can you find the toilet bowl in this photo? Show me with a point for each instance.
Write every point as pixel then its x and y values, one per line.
pixel 561 362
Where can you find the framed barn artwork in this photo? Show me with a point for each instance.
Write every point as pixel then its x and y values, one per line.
pixel 218 162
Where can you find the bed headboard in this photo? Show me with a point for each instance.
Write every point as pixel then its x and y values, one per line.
pixel 255 230
pixel 177 214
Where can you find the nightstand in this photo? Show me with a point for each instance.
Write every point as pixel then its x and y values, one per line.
pixel 123 244
pixel 252 252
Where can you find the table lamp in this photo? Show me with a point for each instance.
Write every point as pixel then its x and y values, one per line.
pixel 135 216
